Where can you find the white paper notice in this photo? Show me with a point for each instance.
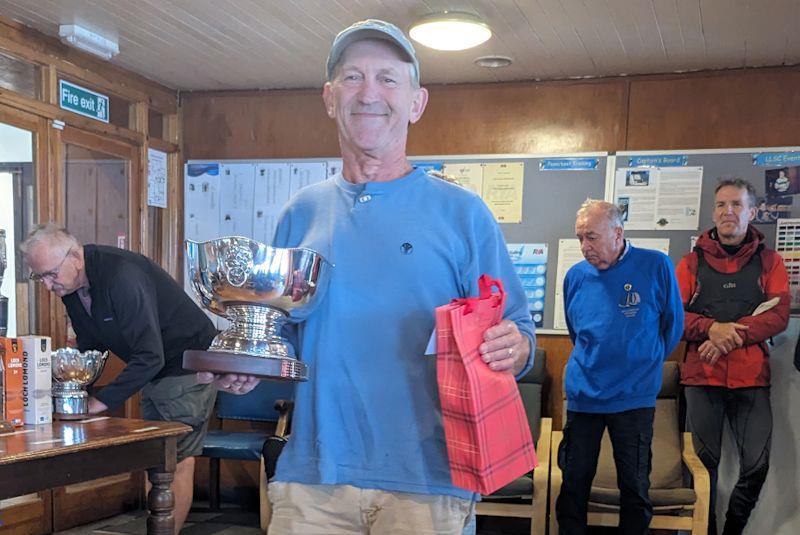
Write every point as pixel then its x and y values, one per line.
pixel 569 254
pixel 469 175
pixel 655 198
pixel 502 190
pixel 156 178
pixel 305 174
pixel 679 191
pixel 201 202
pixel 237 186
pixel 271 195
pixel 636 196
pixel 658 244
pixel 201 213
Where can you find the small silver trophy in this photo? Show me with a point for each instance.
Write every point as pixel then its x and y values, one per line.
pixel 259 289
pixel 73 372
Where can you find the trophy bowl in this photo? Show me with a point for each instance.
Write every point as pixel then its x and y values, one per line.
pixel 259 289
pixel 73 372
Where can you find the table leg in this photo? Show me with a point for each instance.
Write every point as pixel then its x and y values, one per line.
pixel 160 502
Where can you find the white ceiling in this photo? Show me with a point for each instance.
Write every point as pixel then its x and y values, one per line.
pixel 268 44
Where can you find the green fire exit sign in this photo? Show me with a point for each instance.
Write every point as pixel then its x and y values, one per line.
pixel 83 101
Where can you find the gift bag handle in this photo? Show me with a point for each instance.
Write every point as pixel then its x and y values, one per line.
pixel 485 285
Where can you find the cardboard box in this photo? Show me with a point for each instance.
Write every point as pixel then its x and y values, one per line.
pixel 12 380
pixel 37 379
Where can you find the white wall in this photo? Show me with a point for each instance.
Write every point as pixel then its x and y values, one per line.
pixel 8 289
pixel 778 508
pixel 15 144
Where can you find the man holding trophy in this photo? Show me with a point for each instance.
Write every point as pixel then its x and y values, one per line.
pixel 367 451
pixel 123 302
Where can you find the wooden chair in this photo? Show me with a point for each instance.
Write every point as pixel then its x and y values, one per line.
pixel 679 483
pixel 269 457
pixel 526 497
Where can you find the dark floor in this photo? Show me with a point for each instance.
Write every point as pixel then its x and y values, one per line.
pixel 201 521
pixel 234 521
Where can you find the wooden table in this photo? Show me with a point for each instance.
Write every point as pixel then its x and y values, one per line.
pixel 35 458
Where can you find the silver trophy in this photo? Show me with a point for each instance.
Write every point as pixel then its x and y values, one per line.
pixel 73 372
pixel 3 300
pixel 259 289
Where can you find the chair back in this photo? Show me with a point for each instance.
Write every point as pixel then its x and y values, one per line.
pixel 530 390
pixel 257 405
pixel 667 471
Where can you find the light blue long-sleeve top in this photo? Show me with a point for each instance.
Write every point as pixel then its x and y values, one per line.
pixel 369 415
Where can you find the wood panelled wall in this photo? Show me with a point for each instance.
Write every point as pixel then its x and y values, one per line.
pixel 759 108
pixel 704 110
pixel 747 108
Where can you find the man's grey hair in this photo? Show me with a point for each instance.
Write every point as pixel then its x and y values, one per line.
pixel 610 210
pixel 412 72
pixel 49 232
pixel 740 183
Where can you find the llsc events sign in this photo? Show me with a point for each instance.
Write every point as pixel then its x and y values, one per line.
pixel 83 101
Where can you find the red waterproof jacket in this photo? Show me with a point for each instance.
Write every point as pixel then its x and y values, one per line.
pixel 749 365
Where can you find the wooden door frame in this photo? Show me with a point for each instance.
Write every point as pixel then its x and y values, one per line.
pixel 44 139
pixel 137 202
pixel 137 217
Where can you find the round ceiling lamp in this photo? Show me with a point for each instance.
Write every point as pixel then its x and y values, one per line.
pixel 494 62
pixel 451 30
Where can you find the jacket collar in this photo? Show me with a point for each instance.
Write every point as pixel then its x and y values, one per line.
pixel 711 246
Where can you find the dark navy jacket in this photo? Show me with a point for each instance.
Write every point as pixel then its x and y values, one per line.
pixel 140 314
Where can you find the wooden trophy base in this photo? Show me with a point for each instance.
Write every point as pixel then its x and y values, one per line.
pixel 70 417
pixel 220 362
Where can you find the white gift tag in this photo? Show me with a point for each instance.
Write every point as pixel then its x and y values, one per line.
pixel 431 348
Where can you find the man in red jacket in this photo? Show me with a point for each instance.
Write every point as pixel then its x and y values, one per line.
pixel 726 370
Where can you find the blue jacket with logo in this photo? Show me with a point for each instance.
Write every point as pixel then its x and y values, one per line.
pixel 624 322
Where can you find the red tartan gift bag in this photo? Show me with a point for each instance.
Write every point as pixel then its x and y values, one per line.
pixel 488 437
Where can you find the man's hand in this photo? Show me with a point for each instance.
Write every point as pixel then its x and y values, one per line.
pixel 505 348
pixel 709 352
pixel 725 336
pixel 229 382
pixel 95 406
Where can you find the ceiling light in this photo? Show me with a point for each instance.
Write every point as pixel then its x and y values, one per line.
pixel 80 37
pixel 450 30
pixel 494 62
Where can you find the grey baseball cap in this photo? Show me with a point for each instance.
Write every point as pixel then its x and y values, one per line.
pixel 371 29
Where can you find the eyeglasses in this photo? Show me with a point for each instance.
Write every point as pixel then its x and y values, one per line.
pixel 53 274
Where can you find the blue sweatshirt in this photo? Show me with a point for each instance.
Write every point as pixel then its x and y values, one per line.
pixel 369 415
pixel 624 322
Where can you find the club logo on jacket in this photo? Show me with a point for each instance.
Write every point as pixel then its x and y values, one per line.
pixel 406 248
pixel 729 286
pixel 629 303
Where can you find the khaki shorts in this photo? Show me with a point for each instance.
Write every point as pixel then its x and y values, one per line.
pixel 180 398
pixel 345 510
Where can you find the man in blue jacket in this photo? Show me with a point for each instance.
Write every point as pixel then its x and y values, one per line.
pixel 625 316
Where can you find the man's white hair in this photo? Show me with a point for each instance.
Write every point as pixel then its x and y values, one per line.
pixel 610 210
pixel 49 232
